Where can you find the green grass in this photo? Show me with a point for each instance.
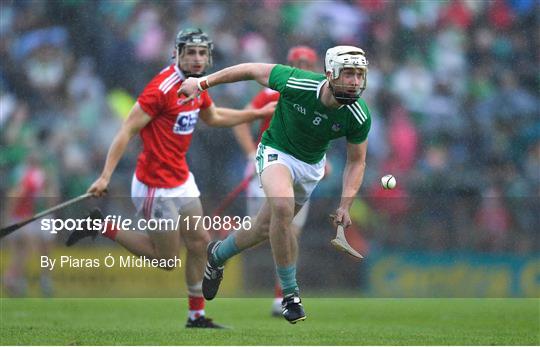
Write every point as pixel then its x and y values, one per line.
pixel 329 322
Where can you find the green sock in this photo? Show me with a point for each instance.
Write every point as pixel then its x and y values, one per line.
pixel 227 249
pixel 287 279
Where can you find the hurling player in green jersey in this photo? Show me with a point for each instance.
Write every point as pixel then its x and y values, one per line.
pixel 313 109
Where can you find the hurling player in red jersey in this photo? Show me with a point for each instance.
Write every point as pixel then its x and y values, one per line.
pixel 301 57
pixel 163 186
pixel 33 184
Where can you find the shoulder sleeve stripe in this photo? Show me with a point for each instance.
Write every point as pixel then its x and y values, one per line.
pixel 355 111
pixel 358 119
pixel 168 83
pixel 172 84
pixel 166 80
pixel 303 88
pixel 355 114
pixel 305 84
pixel 361 110
pixel 306 80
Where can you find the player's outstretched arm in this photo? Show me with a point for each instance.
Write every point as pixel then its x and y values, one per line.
pixel 228 117
pixel 243 72
pixel 353 175
pixel 136 120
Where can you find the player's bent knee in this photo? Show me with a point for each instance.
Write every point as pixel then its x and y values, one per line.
pixel 283 209
pixel 197 244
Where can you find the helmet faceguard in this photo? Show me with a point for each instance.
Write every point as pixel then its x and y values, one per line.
pixel 197 38
pixel 341 57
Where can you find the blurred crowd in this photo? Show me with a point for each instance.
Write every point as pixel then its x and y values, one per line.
pixel 453 89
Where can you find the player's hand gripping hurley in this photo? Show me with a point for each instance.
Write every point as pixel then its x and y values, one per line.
pixel 340 242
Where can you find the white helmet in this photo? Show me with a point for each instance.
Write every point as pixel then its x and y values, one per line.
pixel 340 57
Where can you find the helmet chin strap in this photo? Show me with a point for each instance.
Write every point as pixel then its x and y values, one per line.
pixel 342 97
pixel 190 74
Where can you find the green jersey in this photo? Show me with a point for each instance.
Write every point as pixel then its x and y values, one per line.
pixel 302 126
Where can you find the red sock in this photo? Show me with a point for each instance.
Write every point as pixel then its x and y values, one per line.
pixel 110 232
pixel 196 303
pixel 277 290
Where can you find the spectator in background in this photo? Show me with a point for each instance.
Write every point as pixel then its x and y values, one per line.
pixel 493 221
pixel 413 83
pixel 32 184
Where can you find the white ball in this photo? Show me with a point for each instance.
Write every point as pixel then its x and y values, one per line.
pixel 388 182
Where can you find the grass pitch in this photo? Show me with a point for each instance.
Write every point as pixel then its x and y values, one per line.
pixel 329 322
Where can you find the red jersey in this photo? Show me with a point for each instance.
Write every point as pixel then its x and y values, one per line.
pixel 264 97
pixel 31 185
pixel 166 138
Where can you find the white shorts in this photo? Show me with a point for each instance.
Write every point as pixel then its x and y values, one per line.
pixel 305 176
pixel 255 199
pixel 157 203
